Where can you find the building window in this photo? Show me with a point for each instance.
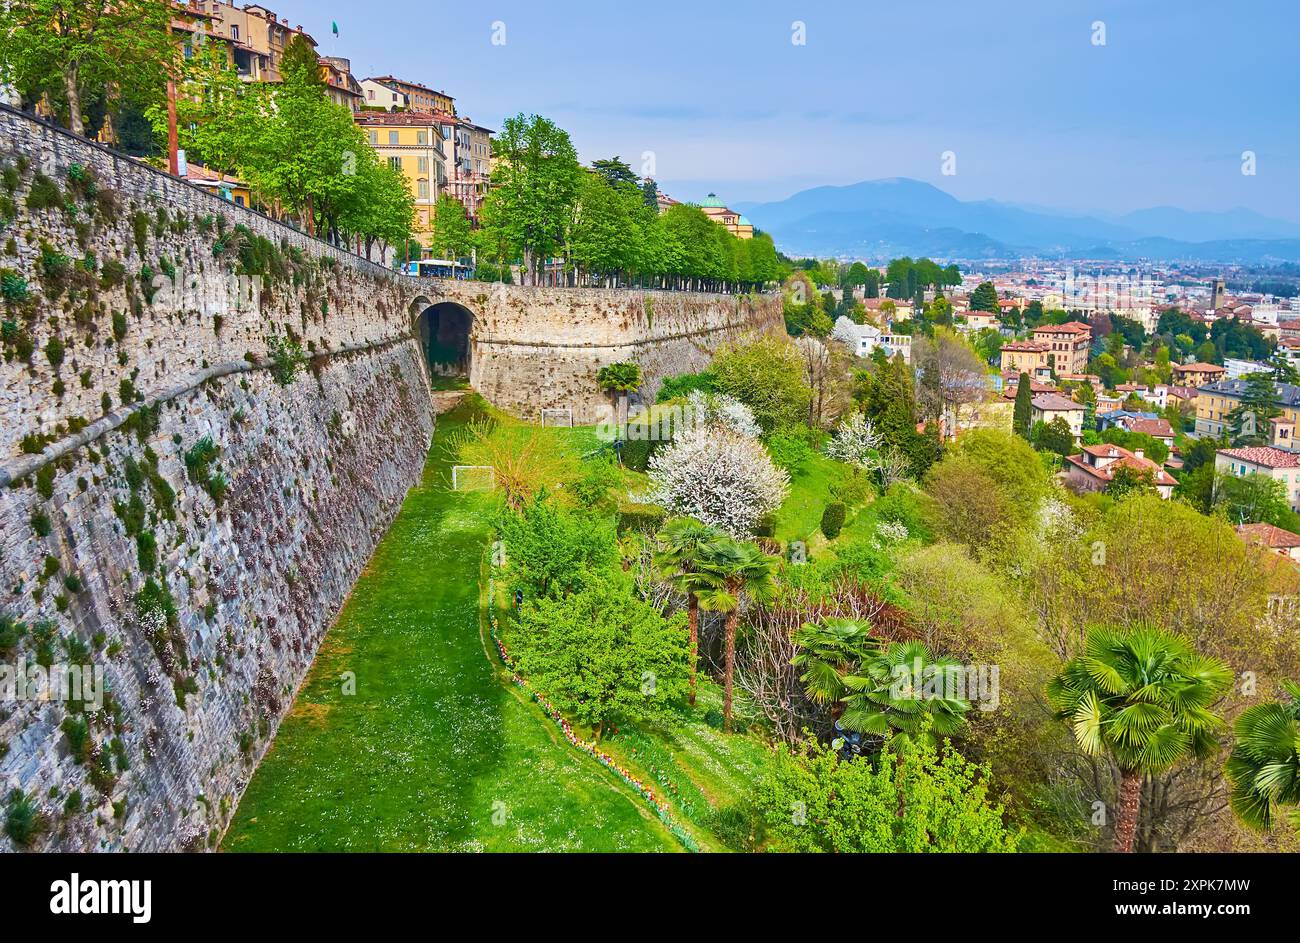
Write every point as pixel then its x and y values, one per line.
pixel 234 32
pixel 370 94
pixel 424 189
pixel 374 137
pixel 392 137
pixel 421 137
pixel 395 163
pixel 422 165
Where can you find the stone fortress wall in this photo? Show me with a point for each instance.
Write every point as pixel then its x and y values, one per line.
pixel 180 512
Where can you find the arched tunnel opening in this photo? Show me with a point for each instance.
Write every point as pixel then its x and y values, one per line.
pixel 444 330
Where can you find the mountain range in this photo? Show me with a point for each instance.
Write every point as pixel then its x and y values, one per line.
pixel 900 216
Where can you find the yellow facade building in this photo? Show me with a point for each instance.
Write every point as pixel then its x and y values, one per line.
pixel 413 143
pixel 736 224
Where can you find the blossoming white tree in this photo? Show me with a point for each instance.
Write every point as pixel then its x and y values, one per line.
pixel 718 476
pixel 719 409
pixel 856 441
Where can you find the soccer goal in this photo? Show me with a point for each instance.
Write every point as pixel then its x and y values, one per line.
pixel 561 417
pixel 473 478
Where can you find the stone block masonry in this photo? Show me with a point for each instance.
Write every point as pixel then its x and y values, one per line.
pixel 203 533
pixel 207 421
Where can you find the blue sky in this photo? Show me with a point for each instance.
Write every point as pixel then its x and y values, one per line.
pixel 1033 110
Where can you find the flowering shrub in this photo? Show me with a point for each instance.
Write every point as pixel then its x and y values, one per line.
pixel 719 409
pixel 720 477
pixel 856 441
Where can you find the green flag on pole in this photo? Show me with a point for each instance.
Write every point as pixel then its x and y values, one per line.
pixel 335 24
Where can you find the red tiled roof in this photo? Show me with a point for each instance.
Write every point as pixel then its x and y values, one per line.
pixel 1069 327
pixel 1159 428
pixel 1123 458
pixel 1265 456
pixel 1027 346
pixel 1269 536
pixel 1197 368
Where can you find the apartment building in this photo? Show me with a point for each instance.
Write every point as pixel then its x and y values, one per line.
pixel 418 97
pixel 1216 401
pixel 377 96
pixel 413 143
pixel 256 35
pixel 1067 345
pixel 468 147
pixel 342 86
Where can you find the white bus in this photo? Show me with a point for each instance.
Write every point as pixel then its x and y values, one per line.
pixel 438 268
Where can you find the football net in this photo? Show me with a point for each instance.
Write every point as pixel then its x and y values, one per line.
pixel 558 418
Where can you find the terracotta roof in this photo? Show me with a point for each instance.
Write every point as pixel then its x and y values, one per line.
pixel 1026 346
pixel 422 119
pixel 1069 327
pixel 1198 368
pixel 1159 428
pixel 1123 459
pixel 1269 536
pixel 1265 456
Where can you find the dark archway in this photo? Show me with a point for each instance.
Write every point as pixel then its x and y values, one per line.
pixel 445 330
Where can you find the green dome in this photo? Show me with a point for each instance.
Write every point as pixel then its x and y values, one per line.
pixel 744 222
pixel 713 201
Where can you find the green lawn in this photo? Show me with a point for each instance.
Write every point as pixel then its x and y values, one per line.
pixel 433 752
pixel 800 515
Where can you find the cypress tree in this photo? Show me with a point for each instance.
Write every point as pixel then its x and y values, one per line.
pixel 1020 420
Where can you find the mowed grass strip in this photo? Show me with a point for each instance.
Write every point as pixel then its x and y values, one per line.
pixel 433 752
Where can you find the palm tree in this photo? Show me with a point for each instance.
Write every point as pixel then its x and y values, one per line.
pixel 1141 696
pixel 621 377
pixel 684 543
pixel 1264 768
pixel 736 570
pixel 879 689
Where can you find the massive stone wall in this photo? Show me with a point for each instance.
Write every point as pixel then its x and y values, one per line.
pixel 181 510
pixel 202 603
pixel 540 348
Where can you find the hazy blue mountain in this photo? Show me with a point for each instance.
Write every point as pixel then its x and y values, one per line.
pixel 899 216
pixel 1188 226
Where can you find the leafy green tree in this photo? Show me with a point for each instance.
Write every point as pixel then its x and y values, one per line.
pixel 650 194
pixel 767 375
pixel 1054 437
pixel 888 397
pixel 893 690
pixel 984 298
pixel 301 63
pixel 615 172
pixel 736 571
pixel 1264 768
pixel 1143 698
pixel 69 50
pixel 535 184
pixel 603 653
pixel 1258 403
pixel 452 235
pixel 1250 499
pixel 911 798
pixel 685 545
pixel 1126 480
pixel 551 552
pixel 599 240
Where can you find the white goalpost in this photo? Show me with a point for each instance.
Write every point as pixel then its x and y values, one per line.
pixel 559 417
pixel 473 478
